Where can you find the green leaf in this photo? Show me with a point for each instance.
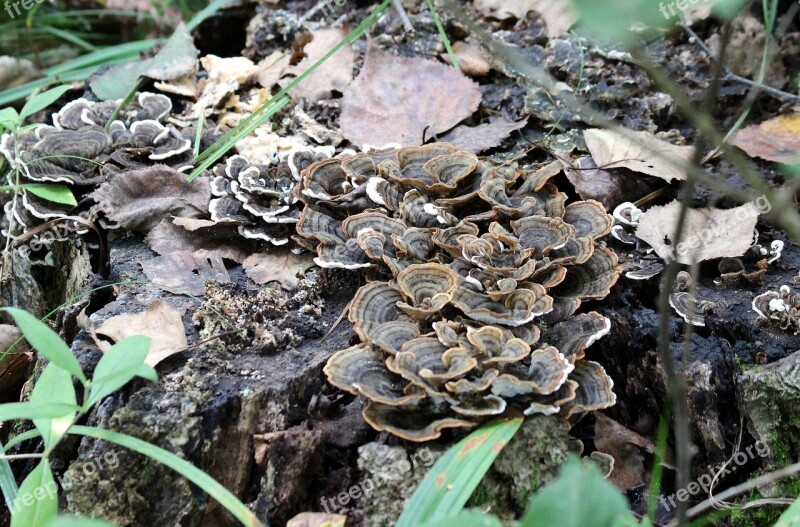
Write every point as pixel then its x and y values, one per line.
pixel 790 517
pixel 46 341
pixel 9 118
pixel 54 387
pixel 13 411
pixel 579 497
pixel 451 481
pixel 54 192
pixel 468 518
pixel 120 364
pixel 42 100
pixel 208 484
pixel 37 502
pixel 8 484
pixel 613 19
pixel 175 59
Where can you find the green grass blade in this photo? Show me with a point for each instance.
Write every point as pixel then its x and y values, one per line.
pixel 443 34
pixel 8 484
pixel 76 521
pixel 24 436
pixel 181 466
pixel 207 12
pixel 71 37
pixel 55 192
pixel 451 481
pixel 42 101
pixel 791 516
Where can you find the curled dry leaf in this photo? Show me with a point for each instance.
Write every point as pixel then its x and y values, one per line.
pixel 200 237
pixel 708 233
pixel 185 273
pixel 626 447
pixel 139 199
pixel 591 182
pixel 776 140
pixel 317 519
pixel 476 139
pixel 160 321
pixel 641 152
pixel 558 16
pixel 333 74
pixel 470 59
pixel 282 266
pixel 13 364
pixel 395 99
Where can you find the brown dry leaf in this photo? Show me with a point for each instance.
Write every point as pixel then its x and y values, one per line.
pixel 558 15
pixel 776 140
pixel 333 74
pixel 395 99
pixel 317 519
pixel 591 182
pixel 282 266
pixel 476 139
pixel 160 321
pixel 14 365
pixel 185 273
pixel 625 446
pixel 201 237
pixel 745 50
pixel 272 68
pixel 470 59
pixel 708 233
pixel 139 199
pixel 638 151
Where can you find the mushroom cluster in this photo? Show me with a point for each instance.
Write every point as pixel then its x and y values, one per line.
pixel 781 308
pixel 259 198
pixel 488 267
pixel 78 151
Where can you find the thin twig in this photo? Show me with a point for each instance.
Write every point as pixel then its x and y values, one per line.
pixel 401 11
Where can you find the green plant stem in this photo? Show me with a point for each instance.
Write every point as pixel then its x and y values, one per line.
pixel 181 466
pixel 443 34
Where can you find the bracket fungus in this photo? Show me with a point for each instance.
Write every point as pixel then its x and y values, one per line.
pixel 79 152
pixel 781 308
pixel 484 267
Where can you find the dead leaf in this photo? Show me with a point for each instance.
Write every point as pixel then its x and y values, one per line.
pixel 626 447
pixel 776 140
pixel 176 58
pixel 317 519
pixel 139 199
pixel 185 86
pixel 14 364
pixel 708 233
pixel 476 139
pixel 333 74
pixel 160 321
pixel 559 16
pixel 591 182
pixel 272 68
pixel 470 59
pixel 281 266
pixel 641 152
pixel 185 273
pixel 203 238
pixel 395 99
